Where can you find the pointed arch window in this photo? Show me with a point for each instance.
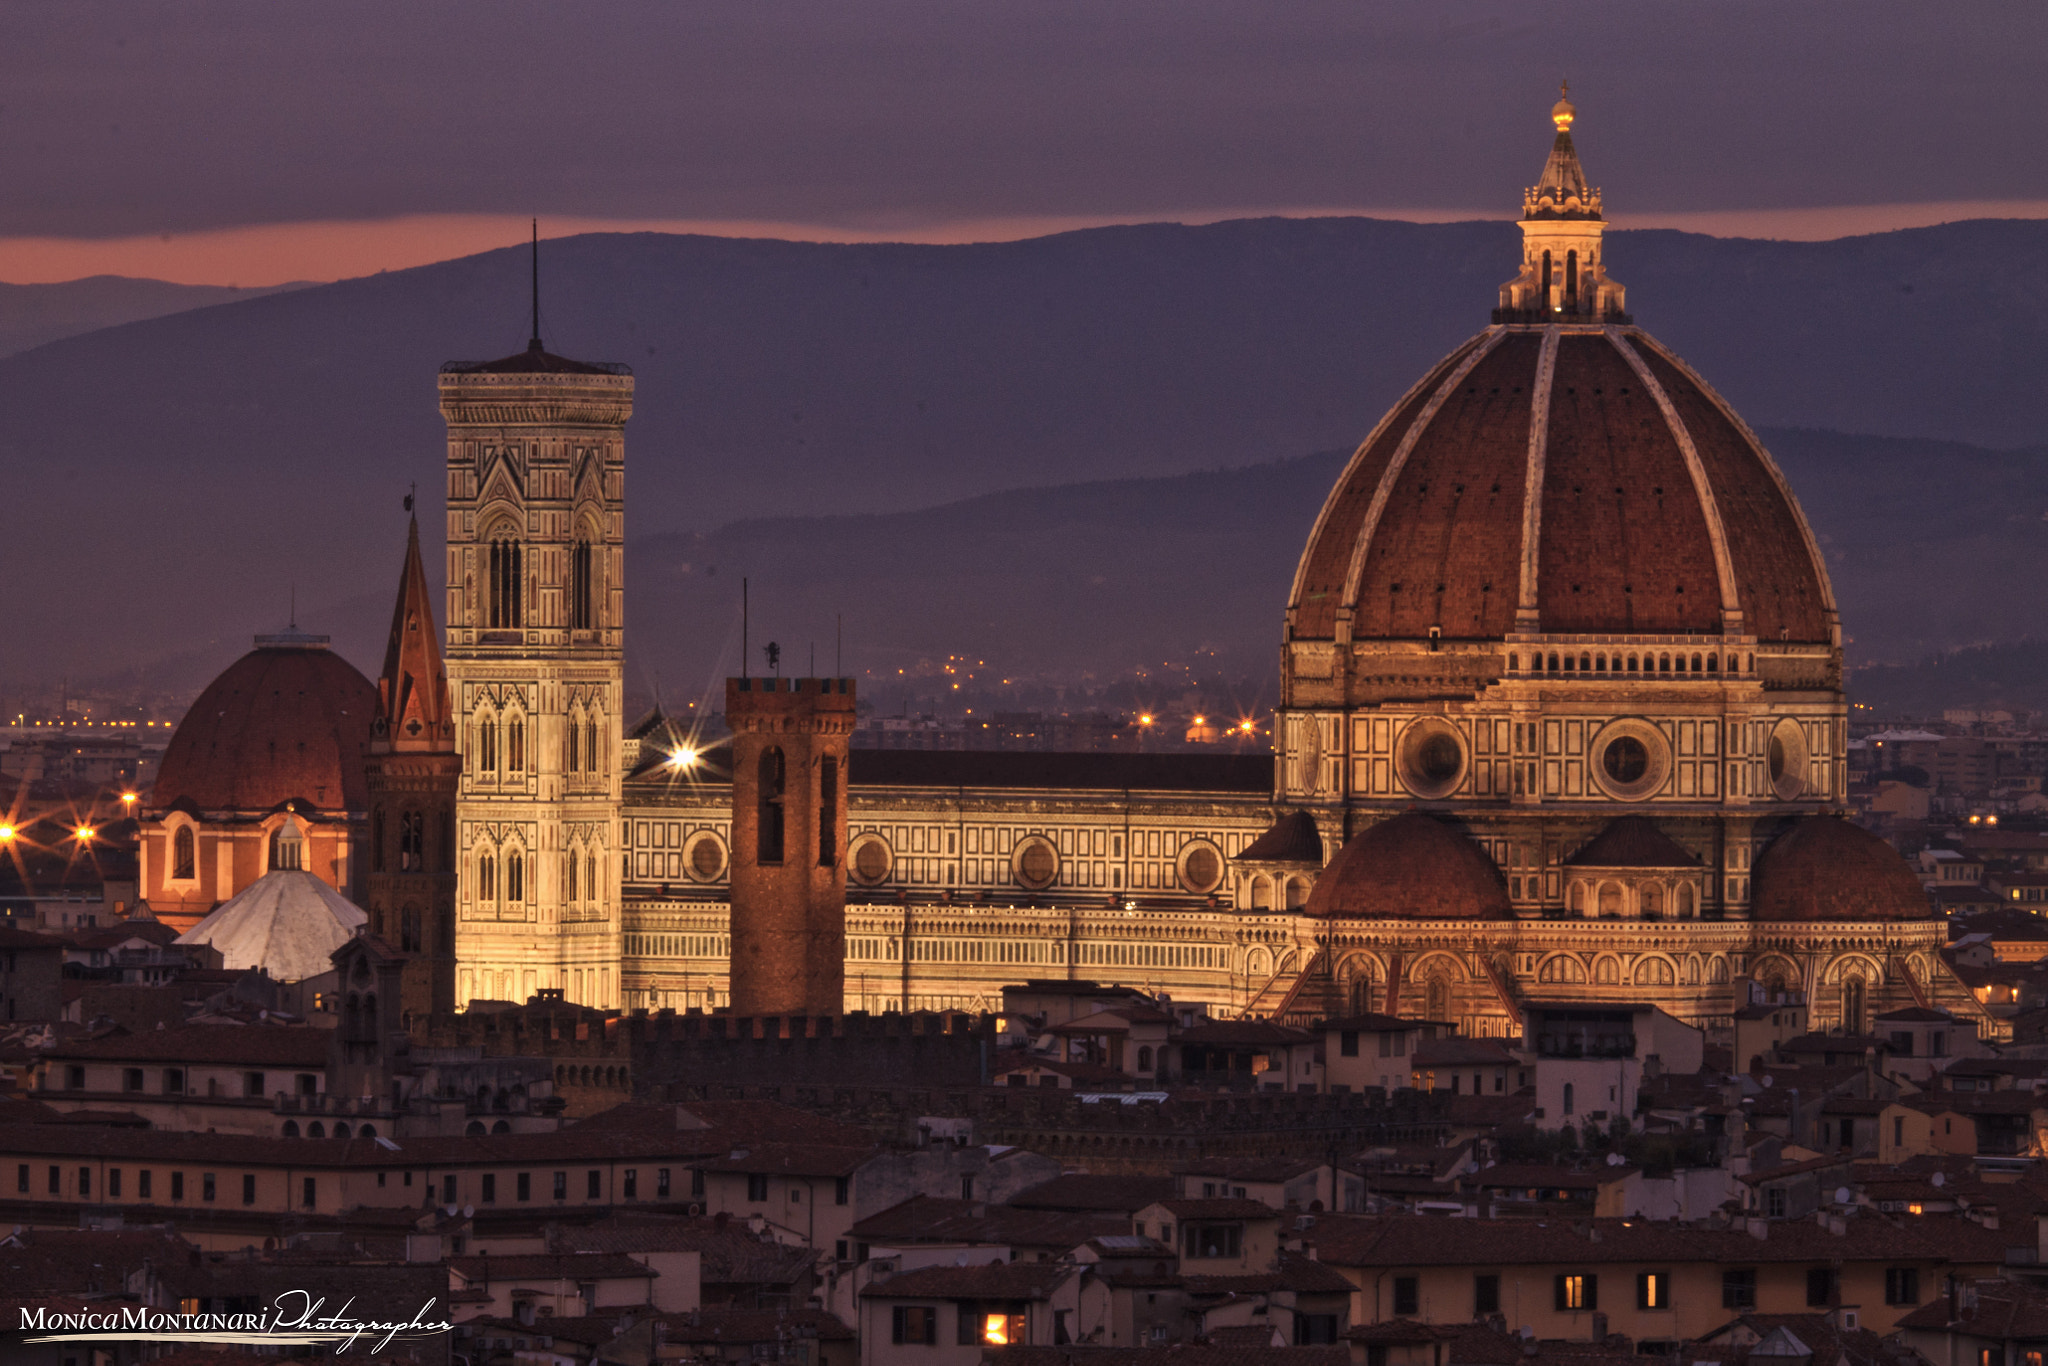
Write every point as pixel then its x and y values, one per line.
pixel 582 614
pixel 515 745
pixel 591 748
pixel 570 758
pixel 505 556
pixel 1571 282
pixel 486 878
pixel 768 834
pixel 412 842
pixel 487 744
pixel 1852 1005
pixel 828 812
pixel 569 878
pixel 515 877
pixel 590 877
pixel 184 854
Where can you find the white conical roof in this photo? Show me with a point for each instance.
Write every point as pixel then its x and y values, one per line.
pixel 287 922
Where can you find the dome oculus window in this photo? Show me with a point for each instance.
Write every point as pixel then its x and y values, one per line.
pixel 1432 758
pixel 1036 863
pixel 707 858
pixel 1786 754
pixel 1201 868
pixel 1631 759
pixel 872 861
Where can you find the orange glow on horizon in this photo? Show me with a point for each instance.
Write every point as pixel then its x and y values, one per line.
pixel 265 254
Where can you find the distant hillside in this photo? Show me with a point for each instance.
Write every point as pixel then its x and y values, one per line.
pixel 1101 577
pixel 2008 677
pixel 31 315
pixel 170 481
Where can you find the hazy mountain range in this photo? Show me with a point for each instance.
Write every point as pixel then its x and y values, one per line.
pixel 31 315
pixel 171 482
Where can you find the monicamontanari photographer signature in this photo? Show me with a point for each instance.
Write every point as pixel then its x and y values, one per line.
pixel 295 1318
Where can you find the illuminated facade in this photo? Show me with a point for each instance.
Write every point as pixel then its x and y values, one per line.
pixel 1561 716
pixel 535 622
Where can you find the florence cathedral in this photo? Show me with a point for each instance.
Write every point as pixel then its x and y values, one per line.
pixel 1561 718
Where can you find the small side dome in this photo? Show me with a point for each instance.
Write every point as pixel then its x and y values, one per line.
pixel 1415 867
pixel 287 721
pixel 1824 868
pixel 286 922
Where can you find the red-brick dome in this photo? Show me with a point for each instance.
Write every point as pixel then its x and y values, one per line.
pixel 284 722
pixel 1408 867
pixel 1582 477
pixel 1824 868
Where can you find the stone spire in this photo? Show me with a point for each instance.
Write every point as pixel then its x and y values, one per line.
pixel 1564 277
pixel 412 692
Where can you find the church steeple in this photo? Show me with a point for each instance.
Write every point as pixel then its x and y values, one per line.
pixel 413 713
pixel 1564 278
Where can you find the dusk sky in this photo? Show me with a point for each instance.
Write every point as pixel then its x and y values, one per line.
pixel 254 143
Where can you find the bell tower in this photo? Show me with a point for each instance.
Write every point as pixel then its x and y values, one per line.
pixel 536 523
pixel 789 756
pixel 412 772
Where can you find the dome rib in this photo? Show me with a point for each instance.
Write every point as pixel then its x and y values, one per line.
pixel 1786 511
pixel 1710 506
pixel 1444 556
pixel 1316 600
pixel 1355 576
pixel 1528 614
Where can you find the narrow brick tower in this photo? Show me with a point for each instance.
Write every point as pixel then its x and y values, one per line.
pixel 789 743
pixel 413 770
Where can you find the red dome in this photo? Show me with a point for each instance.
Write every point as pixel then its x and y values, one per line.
pixel 1408 867
pixel 282 723
pixel 1654 508
pixel 1824 868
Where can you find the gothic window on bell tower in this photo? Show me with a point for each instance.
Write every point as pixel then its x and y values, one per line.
pixel 487 745
pixel 505 583
pixel 412 841
pixel 515 877
pixel 581 616
pixel 515 745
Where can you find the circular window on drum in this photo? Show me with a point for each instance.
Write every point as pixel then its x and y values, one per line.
pixel 1036 863
pixel 706 857
pixel 1201 867
pixel 872 859
pixel 1432 758
pixel 1631 759
pixel 1786 755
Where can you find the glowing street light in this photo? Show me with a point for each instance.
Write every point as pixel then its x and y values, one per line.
pixel 84 832
pixel 6 833
pixel 683 758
